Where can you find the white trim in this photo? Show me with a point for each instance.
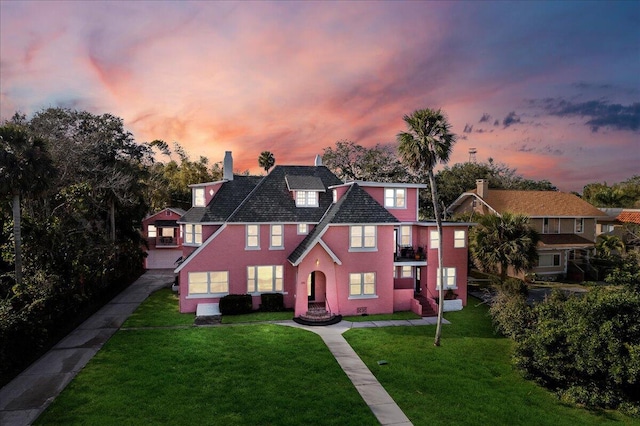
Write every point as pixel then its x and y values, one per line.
pixel 199 249
pixel 203 184
pixel 323 245
pixel 246 237
pixel 382 184
pixel 271 235
pixel 395 198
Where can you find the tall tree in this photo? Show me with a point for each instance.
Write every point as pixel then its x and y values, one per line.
pixel 25 166
pixel 266 160
pixel 499 242
pixel 427 142
pixel 350 161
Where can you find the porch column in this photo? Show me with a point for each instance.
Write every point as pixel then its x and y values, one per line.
pixel 302 300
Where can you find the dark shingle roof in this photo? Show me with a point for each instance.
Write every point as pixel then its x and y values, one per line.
pixel 225 202
pixel 271 200
pixel 304 183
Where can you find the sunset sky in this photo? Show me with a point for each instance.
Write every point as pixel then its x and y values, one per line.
pixel 549 88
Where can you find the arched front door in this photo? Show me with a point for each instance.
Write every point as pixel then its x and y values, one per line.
pixel 316 287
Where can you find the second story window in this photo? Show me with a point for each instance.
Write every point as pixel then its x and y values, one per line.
pixel 192 233
pixel 362 237
pixel 198 197
pixel 395 198
pixel 404 236
pixel 277 237
pixel 550 225
pixel 434 239
pixel 303 229
pixel 151 231
pixel 459 239
pixel 253 237
pixel 579 226
pixel 306 199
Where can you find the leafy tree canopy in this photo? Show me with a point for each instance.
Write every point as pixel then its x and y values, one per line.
pixel 624 194
pixel 350 161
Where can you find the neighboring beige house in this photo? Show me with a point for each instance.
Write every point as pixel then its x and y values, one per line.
pixel 566 224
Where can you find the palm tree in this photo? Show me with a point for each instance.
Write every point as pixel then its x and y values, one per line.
pixel 503 241
pixel 607 245
pixel 266 160
pixel 25 166
pixel 427 142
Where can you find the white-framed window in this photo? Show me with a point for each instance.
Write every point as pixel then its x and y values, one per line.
pixel 198 197
pixel 335 196
pixel 459 238
pixel 579 226
pixel 607 228
pixel 434 239
pixel 449 277
pixel 549 260
pixel 406 271
pixel 192 233
pixel 277 237
pixel 395 198
pixel 253 237
pixel 550 225
pixel 404 236
pixel 152 231
pixel 215 282
pixel 306 199
pixel 166 232
pixel 265 279
pixel 303 229
pixel 362 284
pixel 362 237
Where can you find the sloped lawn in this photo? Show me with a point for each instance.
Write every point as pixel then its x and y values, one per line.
pixel 468 380
pixel 242 375
pixel 162 370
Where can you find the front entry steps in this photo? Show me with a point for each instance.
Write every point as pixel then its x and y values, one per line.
pixel 208 313
pixel 427 310
pixel 317 315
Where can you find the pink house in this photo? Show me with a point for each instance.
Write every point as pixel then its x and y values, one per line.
pixel 330 248
pixel 164 241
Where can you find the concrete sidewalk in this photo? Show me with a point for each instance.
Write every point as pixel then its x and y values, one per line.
pixel 24 398
pixel 374 395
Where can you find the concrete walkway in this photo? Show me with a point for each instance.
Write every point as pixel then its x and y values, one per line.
pixel 24 398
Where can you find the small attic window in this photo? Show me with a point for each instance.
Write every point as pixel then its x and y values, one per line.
pixel 306 189
pixel 306 199
pixel 198 197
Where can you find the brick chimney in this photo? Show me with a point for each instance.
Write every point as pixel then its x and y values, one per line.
pixel 482 187
pixel 227 166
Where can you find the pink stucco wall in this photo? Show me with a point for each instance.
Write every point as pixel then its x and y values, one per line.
pixel 408 214
pixel 452 257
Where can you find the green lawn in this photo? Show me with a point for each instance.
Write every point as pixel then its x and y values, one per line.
pixel 468 380
pixel 162 370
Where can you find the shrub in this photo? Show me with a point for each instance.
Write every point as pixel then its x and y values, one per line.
pixel 272 302
pixel 510 314
pixel 514 286
pixel 236 304
pixel 586 348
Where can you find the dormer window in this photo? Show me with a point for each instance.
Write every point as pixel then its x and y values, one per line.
pixel 198 197
pixel 306 189
pixel 306 199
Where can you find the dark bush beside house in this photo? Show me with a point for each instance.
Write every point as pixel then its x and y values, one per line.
pixel 272 302
pixel 236 304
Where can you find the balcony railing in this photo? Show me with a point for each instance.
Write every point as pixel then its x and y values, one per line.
pixel 166 241
pixel 409 254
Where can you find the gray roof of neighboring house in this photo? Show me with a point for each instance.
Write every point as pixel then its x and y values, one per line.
pixel 230 195
pixel 272 201
pixel 355 206
pixel 302 183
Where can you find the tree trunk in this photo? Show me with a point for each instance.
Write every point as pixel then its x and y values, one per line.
pixel 17 238
pixel 436 210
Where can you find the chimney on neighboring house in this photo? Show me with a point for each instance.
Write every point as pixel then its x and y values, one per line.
pixel 227 166
pixel 318 161
pixel 482 187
